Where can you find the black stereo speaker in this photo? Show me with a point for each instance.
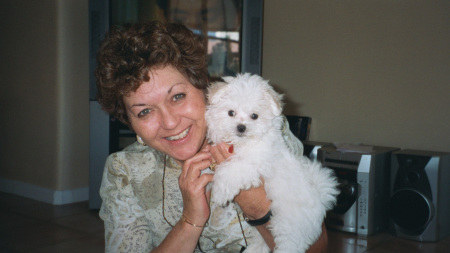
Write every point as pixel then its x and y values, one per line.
pixel 419 204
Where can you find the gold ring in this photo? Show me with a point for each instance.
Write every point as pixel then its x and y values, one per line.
pixel 213 166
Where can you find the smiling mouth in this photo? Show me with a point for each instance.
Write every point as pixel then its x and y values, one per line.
pixel 180 136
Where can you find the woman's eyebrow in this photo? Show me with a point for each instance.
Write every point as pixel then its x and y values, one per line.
pixel 136 105
pixel 173 86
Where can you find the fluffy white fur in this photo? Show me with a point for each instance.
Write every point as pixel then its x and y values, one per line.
pixel 246 111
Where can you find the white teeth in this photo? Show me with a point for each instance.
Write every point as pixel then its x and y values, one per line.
pixel 180 136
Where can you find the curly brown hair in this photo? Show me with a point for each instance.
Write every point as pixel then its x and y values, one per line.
pixel 128 53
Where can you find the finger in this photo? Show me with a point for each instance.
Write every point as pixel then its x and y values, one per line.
pixel 195 169
pixel 206 178
pixel 206 148
pixel 208 196
pixel 226 149
pixel 217 155
pixel 201 156
pixel 221 152
pixel 196 186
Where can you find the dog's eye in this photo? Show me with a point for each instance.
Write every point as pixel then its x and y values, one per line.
pixel 231 113
pixel 254 116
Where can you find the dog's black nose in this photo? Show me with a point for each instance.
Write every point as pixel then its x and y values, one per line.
pixel 241 128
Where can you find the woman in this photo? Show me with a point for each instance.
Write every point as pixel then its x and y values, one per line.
pixel 153 77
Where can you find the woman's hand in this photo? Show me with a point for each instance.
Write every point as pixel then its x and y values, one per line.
pixel 193 187
pixel 184 235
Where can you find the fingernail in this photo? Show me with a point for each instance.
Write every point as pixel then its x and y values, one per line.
pixel 231 149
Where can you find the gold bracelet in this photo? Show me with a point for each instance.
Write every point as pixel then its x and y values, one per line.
pixel 185 219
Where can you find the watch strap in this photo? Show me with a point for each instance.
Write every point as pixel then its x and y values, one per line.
pixel 260 221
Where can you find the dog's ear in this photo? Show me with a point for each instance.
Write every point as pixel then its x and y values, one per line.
pixel 215 91
pixel 276 100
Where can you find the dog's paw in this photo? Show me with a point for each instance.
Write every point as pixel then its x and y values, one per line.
pixel 221 194
pixel 219 201
pixel 220 198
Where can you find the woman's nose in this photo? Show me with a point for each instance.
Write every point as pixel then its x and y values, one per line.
pixel 169 119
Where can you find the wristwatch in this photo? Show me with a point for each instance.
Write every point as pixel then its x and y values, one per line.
pixel 261 221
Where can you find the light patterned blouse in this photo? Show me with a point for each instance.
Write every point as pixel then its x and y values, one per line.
pixel 132 209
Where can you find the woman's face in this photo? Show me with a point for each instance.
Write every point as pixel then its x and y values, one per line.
pixel 168 113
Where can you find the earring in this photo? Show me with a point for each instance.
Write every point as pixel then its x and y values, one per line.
pixel 139 139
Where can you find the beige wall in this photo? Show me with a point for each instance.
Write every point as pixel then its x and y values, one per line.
pixel 44 93
pixel 365 71
pixel 73 93
pixel 376 72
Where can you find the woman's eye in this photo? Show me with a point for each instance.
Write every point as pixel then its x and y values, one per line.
pixel 178 96
pixel 231 113
pixel 144 112
pixel 254 116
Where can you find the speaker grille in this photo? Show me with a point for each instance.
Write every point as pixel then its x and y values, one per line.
pixel 411 211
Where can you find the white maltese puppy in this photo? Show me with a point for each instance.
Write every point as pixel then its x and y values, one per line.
pixel 246 111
